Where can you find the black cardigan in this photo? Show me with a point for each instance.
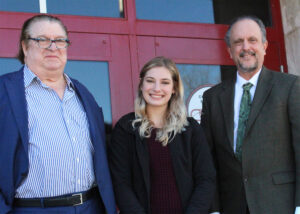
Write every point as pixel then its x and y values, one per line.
pixel 129 164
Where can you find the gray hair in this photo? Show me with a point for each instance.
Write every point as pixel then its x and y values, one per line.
pixel 253 18
pixel 25 31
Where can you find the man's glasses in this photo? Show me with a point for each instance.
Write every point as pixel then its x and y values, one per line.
pixel 46 43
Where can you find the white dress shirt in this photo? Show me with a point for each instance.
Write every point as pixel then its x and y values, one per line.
pixel 240 81
pixel 60 151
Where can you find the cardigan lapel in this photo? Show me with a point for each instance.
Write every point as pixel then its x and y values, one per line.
pixel 143 156
pixel 176 150
pixel 16 93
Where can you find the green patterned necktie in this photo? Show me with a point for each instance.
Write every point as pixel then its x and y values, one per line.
pixel 243 117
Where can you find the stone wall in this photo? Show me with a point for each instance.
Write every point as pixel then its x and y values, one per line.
pixel 290 10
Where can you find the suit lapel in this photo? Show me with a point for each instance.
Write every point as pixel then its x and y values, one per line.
pixel 176 149
pixel 143 156
pixel 263 89
pixel 226 98
pixel 16 93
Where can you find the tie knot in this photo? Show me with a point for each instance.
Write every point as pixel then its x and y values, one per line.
pixel 247 86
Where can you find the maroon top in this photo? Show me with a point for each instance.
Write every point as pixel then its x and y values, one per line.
pixel 164 195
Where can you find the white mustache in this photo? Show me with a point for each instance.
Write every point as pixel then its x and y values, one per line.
pixel 242 54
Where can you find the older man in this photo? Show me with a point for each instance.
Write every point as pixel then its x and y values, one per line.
pixel 52 143
pixel 252 123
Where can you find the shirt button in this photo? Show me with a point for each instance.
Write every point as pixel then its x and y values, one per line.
pixel 77 159
pixel 78 181
pixel 74 139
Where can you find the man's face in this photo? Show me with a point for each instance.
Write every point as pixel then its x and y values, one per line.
pixel 246 47
pixel 45 59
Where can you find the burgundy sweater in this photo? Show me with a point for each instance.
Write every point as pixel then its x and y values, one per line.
pixel 164 195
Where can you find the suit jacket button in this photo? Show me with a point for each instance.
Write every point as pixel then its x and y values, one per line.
pixel 245 179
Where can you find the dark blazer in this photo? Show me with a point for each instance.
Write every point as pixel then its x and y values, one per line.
pixel 129 164
pixel 14 140
pixel 268 179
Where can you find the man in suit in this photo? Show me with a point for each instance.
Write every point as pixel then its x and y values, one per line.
pixel 52 141
pixel 252 124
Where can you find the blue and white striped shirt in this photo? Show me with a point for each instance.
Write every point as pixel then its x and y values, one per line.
pixel 60 149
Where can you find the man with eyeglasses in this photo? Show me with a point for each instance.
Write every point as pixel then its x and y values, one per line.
pixel 52 143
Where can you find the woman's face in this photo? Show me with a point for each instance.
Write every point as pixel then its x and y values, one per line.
pixel 157 87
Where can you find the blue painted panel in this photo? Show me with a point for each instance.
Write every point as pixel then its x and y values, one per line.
pixel 32 6
pixel 9 65
pixel 95 76
pixel 103 8
pixel 199 11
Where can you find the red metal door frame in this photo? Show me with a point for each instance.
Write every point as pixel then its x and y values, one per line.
pixel 153 38
pixel 127 43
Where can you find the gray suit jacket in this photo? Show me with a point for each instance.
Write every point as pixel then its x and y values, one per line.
pixel 268 179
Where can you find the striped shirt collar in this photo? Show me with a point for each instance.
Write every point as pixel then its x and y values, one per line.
pixel 30 77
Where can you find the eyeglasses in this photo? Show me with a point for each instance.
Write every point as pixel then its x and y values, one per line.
pixel 46 43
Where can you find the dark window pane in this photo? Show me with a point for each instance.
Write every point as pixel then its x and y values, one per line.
pixel 197 79
pixel 194 76
pixel 228 71
pixel 8 65
pixel 199 11
pixel 20 5
pixel 95 76
pixel 226 11
pixel 103 8
pixel 202 11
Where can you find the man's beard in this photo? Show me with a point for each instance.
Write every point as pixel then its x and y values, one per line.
pixel 247 69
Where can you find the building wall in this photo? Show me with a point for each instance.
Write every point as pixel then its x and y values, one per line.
pixel 290 10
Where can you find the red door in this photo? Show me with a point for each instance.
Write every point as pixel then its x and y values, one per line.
pixel 125 44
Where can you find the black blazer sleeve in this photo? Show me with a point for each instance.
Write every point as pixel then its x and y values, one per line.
pixel 205 123
pixel 203 172
pixel 120 165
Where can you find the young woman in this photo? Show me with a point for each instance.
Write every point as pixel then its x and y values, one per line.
pixel 159 158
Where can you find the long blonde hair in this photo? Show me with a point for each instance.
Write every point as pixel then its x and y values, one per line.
pixel 176 116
